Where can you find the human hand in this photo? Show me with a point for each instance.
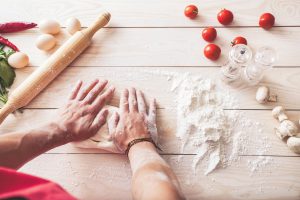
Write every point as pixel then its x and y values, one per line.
pixel 133 121
pixel 83 116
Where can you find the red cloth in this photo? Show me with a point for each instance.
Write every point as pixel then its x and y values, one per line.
pixel 17 184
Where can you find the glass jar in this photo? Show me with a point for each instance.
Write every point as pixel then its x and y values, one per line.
pixel 264 59
pixel 231 71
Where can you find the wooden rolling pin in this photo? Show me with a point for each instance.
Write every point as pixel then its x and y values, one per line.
pixel 53 66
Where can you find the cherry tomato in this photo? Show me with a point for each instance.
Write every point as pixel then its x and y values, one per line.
pixel 209 34
pixel 266 20
pixel 191 11
pixel 225 17
pixel 212 51
pixel 239 40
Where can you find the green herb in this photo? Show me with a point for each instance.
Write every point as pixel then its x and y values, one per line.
pixel 3 93
pixel 7 74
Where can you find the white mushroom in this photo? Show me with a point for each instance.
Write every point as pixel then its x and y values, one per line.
pixel 263 95
pixel 278 113
pixel 286 128
pixel 294 144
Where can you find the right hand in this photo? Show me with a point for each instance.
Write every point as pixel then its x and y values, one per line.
pixel 133 121
pixel 83 115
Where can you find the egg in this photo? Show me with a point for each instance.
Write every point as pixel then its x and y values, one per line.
pixel 49 26
pixel 18 60
pixel 45 42
pixel 73 25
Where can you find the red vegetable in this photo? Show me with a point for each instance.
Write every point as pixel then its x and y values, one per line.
pixel 6 42
pixel 209 34
pixel 266 20
pixel 239 40
pixel 16 26
pixel 191 11
pixel 212 51
pixel 225 17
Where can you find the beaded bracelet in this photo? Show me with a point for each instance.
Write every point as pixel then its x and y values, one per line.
pixel 138 140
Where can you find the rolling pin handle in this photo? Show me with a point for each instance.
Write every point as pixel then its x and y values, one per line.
pixel 5 111
pixel 102 20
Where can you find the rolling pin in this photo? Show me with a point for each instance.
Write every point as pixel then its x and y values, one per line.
pixel 53 66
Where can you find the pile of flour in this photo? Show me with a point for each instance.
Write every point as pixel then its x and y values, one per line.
pixel 217 135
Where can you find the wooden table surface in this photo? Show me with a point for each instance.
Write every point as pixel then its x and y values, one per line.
pixel 150 36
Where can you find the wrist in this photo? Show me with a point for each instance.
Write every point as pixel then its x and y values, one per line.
pixel 55 134
pixel 141 146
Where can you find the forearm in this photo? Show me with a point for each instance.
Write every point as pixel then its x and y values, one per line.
pixel 17 148
pixel 152 173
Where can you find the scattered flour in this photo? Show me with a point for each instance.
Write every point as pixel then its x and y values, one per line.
pixel 210 124
pixel 219 135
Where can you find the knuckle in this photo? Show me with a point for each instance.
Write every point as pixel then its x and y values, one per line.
pixel 92 93
pixel 101 99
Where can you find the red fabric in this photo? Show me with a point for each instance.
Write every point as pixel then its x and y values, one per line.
pixel 17 184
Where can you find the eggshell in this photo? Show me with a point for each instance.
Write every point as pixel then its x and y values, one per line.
pixel 49 26
pixel 45 42
pixel 18 60
pixel 73 25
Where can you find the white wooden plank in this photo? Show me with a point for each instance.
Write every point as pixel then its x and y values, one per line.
pixel 154 13
pixel 167 132
pixel 165 46
pixel 108 177
pixel 156 83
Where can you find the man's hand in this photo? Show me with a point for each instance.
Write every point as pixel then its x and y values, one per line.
pixel 83 115
pixel 133 122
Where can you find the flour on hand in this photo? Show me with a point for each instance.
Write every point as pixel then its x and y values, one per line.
pixel 102 139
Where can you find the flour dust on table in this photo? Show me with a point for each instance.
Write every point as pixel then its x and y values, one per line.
pixel 218 135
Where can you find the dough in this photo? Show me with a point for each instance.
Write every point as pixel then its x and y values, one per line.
pixel 102 139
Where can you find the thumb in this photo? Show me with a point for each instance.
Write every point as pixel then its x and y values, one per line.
pixel 113 123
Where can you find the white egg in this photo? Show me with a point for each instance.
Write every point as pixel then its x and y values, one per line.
pixel 45 42
pixel 73 25
pixel 49 26
pixel 18 60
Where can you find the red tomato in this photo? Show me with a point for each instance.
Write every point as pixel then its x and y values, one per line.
pixel 191 11
pixel 212 51
pixel 239 40
pixel 209 34
pixel 225 17
pixel 266 20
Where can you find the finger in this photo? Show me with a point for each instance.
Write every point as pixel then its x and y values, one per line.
pixel 85 91
pixel 99 120
pixel 152 111
pixel 101 100
pixel 75 90
pixel 133 107
pixel 124 101
pixel 141 102
pixel 113 122
pixel 92 95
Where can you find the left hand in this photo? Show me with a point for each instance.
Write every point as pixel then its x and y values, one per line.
pixel 83 115
pixel 134 121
